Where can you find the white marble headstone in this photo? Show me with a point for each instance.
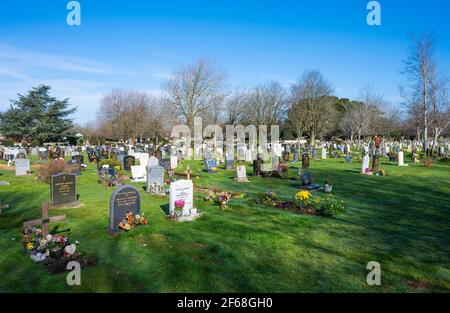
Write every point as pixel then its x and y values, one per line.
pixel 22 167
pixel 182 190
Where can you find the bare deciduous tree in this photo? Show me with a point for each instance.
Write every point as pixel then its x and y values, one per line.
pixel 127 114
pixel 362 115
pixel 196 90
pixel 419 69
pixel 312 103
pixel 265 105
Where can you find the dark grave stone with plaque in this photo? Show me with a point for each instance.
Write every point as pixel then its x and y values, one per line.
pixel 305 160
pixel 78 159
pixel 166 164
pixel 128 162
pixel 257 167
pixel 125 199
pixel 63 190
pixel 211 166
pixel 76 168
pixel 229 165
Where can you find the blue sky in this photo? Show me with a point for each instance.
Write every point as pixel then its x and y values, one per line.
pixel 137 44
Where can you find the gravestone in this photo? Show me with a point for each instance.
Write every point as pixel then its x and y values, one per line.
pixel 138 173
pixel 306 179
pixel 143 159
pixel 305 160
pixel 257 167
pixel 229 164
pixel 63 190
pixel 76 168
pixel 79 159
pixel 21 155
pixel 211 165
pixel 44 221
pixel 129 161
pixel 155 180
pixel 401 159
pixel 248 156
pixel 324 153
pixel 365 163
pixel 43 155
pixel 182 190
pixel 152 161
pixel 241 174
pixel 296 155
pixel 125 199
pixel 173 162
pixel 22 167
pixel 166 164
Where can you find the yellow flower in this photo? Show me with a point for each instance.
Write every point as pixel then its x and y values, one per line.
pixel 303 195
pixel 30 246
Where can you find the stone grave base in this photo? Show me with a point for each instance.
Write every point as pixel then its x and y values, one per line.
pixel 189 218
pixel 311 188
pixel 242 180
pixel 72 205
pixel 404 165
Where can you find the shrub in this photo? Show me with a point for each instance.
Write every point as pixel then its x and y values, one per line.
pixel 53 167
pixel 428 162
pixel 7 143
pixel 113 162
pixel 329 206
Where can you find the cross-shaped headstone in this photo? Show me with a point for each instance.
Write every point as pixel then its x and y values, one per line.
pixel 188 172
pixel 45 220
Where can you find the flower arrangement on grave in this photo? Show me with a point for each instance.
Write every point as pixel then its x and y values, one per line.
pixel 303 195
pixel 382 172
pixel 179 205
pixel 130 221
pixel 268 197
pixel 305 203
pixel 283 169
pixel 223 199
pixel 54 250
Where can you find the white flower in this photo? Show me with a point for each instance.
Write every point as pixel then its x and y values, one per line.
pixel 49 237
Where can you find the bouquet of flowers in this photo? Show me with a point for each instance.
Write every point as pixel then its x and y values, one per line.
pixel 223 199
pixel 40 247
pixel 179 205
pixel 132 220
pixel 303 197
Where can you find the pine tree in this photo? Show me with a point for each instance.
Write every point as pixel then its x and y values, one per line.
pixel 37 116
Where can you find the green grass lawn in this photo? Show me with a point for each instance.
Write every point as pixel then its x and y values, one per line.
pixel 401 221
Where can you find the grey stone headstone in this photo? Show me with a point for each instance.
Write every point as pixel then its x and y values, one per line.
pixel 155 175
pixel 125 199
pixel 22 167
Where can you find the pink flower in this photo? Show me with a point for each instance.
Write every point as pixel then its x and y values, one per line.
pixel 179 204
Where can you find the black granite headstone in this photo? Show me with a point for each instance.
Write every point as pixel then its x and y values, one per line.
pixel 63 189
pixel 125 199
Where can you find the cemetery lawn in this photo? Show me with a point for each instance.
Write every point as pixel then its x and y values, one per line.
pixel 401 221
